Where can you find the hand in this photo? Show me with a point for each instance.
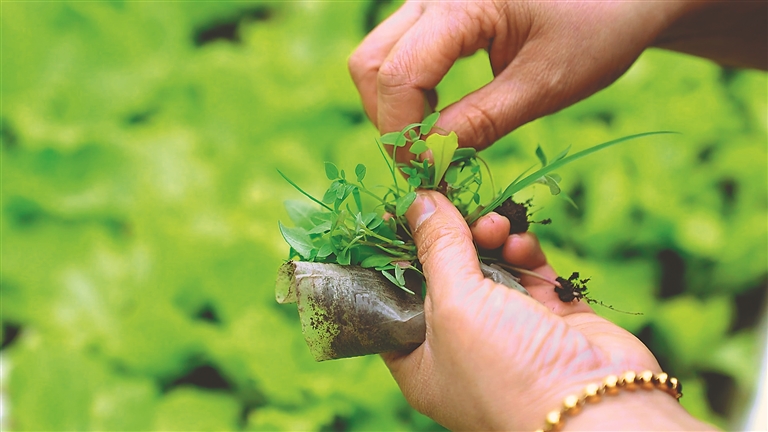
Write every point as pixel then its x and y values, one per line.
pixel 544 55
pixel 494 359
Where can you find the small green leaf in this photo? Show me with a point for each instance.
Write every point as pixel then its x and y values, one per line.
pixel 402 203
pixel 452 175
pixel 410 172
pixel 375 223
pixel 331 171
pixel 399 275
pixel 325 250
pixel 390 138
pixel 412 135
pixel 414 181
pixel 301 213
pixel 358 200
pixel 443 147
pixel 343 258
pixel 540 154
pixel 376 261
pixel 298 239
pixel 390 277
pixel 395 282
pixel 418 147
pixel 429 123
pixel 320 228
pixel 554 188
pixel 329 197
pixel 342 192
pixel 360 172
pixel 401 141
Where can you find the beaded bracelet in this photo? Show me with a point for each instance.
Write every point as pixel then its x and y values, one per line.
pixel 611 385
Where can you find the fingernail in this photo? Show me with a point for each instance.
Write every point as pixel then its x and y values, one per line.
pixel 421 209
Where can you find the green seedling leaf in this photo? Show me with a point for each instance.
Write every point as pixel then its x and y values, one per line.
pixel 554 188
pixel 320 228
pixel 358 200
pixel 325 251
pixel 375 223
pixel 298 239
pixel 390 277
pixel 412 135
pixel 343 258
pixel 540 154
pixel 399 275
pixel 405 201
pixel 360 172
pixel 418 147
pixel 443 147
pixel 414 181
pixel 376 261
pixel 390 138
pixel 332 192
pixel 516 186
pixel 395 282
pixel 452 175
pixel 301 213
pixel 429 123
pixel 331 171
pixel 342 191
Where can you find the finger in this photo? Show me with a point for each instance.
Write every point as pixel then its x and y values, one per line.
pixel 524 251
pixel 365 61
pixel 490 231
pixel 419 61
pixel 445 247
pixel 540 80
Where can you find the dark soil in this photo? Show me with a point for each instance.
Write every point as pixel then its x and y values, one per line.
pixel 572 289
pixel 517 215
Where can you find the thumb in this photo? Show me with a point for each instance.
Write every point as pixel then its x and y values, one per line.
pixel 445 246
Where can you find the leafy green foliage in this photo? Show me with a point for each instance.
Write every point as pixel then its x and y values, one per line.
pixel 344 236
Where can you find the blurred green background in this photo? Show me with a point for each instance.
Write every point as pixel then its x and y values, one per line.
pixel 140 199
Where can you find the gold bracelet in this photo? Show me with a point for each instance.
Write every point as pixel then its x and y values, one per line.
pixel 611 386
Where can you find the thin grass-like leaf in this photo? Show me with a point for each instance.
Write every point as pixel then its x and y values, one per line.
pixel 516 186
pixel 302 191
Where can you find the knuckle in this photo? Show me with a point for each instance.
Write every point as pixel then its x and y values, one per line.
pixel 436 242
pixel 395 73
pixel 359 65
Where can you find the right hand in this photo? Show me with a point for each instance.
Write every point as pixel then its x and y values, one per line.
pixel 494 359
pixel 544 56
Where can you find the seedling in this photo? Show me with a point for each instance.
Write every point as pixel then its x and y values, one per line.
pixel 339 229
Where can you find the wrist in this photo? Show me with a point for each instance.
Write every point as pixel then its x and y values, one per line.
pixel 728 32
pixel 630 401
pixel 649 410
